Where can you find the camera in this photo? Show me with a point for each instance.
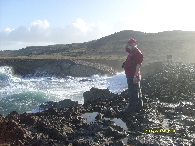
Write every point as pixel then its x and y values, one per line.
pixel 123 65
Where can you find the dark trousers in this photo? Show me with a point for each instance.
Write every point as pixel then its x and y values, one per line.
pixel 135 101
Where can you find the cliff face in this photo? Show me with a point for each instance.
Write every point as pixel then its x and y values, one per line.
pixel 58 68
pixel 76 68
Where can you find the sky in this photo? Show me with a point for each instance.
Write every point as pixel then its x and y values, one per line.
pixel 46 22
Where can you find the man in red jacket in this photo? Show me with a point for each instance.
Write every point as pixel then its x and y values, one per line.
pixel 132 70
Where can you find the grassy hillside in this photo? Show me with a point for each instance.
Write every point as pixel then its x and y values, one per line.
pixel 154 46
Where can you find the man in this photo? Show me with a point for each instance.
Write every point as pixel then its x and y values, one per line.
pixel 132 70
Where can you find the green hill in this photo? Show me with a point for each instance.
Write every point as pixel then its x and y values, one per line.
pixel 154 46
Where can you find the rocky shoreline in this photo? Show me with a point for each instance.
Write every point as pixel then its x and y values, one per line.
pixel 166 119
pixel 56 67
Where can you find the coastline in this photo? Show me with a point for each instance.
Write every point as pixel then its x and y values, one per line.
pixel 164 96
pixel 56 67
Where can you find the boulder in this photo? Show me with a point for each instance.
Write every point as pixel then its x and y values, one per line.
pixel 13 116
pixel 95 93
pixel 61 104
pixel 28 119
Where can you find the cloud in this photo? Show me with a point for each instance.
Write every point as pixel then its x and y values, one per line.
pixel 5 32
pixel 40 24
pixel 40 32
pixel 81 25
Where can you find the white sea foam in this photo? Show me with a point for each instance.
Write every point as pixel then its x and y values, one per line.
pixel 53 88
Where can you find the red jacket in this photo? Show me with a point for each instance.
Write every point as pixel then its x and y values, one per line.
pixel 135 57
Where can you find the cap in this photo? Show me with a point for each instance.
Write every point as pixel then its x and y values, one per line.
pixel 132 40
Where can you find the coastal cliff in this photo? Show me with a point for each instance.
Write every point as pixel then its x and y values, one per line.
pixel 56 67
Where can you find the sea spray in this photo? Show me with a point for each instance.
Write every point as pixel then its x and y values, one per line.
pixel 27 93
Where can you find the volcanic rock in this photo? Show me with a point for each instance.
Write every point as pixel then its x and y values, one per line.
pixel 28 119
pixel 95 93
pixel 61 104
pixel 1 118
pixel 13 116
pixel 99 116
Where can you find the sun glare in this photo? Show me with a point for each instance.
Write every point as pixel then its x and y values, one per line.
pixel 167 15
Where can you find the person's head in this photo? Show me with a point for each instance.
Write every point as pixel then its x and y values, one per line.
pixel 132 44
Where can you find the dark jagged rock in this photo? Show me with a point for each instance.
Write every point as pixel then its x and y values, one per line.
pixel 99 116
pixel 61 104
pixel 28 119
pixel 13 116
pixel 95 93
pixel 1 118
pixel 11 132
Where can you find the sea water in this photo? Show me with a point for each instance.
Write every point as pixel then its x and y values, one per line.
pixel 26 94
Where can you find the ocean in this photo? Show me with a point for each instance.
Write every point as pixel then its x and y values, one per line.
pixel 25 94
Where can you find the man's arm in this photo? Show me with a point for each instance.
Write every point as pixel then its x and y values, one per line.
pixel 137 69
pixel 135 80
pixel 139 59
